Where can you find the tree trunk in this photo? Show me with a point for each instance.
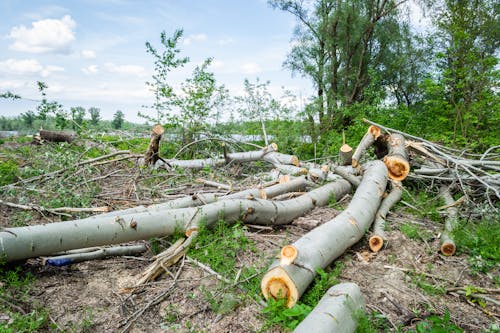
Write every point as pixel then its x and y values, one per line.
pixel 335 312
pixel 448 247
pixel 319 247
pixel 152 153
pixel 378 237
pixel 397 159
pixel 345 154
pixel 57 136
pixel 368 139
pixel 39 240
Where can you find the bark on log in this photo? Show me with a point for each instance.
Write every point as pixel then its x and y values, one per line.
pixel 345 154
pixel 57 136
pixel 397 159
pixel 39 240
pixel 280 158
pixel 152 153
pixel 335 312
pixel 378 237
pixel 448 247
pixel 73 258
pixel 319 247
pixel 368 139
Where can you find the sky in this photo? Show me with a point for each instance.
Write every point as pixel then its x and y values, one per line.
pixel 92 52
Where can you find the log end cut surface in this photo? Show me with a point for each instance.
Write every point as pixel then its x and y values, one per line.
pixel 448 248
pixel 376 242
pixel 158 129
pixel 398 167
pixel 277 284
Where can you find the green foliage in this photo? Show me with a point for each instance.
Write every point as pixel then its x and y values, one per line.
pixel 431 289
pixel 437 324
pixel 95 116
pixel 480 241
pixel 322 282
pixel 373 322
pixel 277 313
pixel 410 230
pixel 118 119
pixel 9 172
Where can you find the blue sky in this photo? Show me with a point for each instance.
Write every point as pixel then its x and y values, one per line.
pixel 92 53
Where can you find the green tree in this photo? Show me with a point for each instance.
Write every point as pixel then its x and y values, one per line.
pixel 343 46
pixel 465 92
pixel 118 119
pixel 77 117
pixel 47 107
pixel 95 116
pixel 199 101
pixel 165 61
pixel 28 118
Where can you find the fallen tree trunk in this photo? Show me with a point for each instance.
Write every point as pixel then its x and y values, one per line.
pixel 152 153
pixel 335 312
pixel 57 136
pixel 397 159
pixel 448 247
pixel 319 247
pixel 39 240
pixel 368 139
pixel 378 237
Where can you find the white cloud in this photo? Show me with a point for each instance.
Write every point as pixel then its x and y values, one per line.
pixel 251 68
pixel 217 64
pixel 225 41
pixel 125 69
pixel 44 36
pixel 88 54
pixel 12 84
pixel 27 67
pixel 92 69
pixel 194 38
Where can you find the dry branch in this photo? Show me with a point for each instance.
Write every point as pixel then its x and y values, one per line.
pixel 39 240
pixel 335 312
pixel 378 237
pixel 99 253
pixel 319 247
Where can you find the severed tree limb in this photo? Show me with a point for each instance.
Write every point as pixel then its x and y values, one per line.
pixel 397 158
pixel 152 153
pixel 368 139
pixel 336 311
pixel 350 177
pixel 378 237
pixel 319 247
pixel 58 210
pixel 448 247
pixel 57 136
pixel 39 240
pixel 73 258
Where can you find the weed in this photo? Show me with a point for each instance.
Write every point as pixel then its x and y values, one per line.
pixel 277 313
pixel 9 172
pixel 480 240
pixel 321 284
pixel 419 281
pixel 410 230
pixel 437 324
pixel 371 323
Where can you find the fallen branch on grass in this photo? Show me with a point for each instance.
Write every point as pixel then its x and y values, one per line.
pixel 319 247
pixel 337 311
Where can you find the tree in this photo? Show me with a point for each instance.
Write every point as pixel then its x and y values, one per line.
pixel 118 119
pixel 95 115
pixel 28 118
pixel 466 89
pixel 77 117
pixel 164 62
pixel 51 107
pixel 199 100
pixel 342 46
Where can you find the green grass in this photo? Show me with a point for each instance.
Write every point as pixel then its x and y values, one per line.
pixel 372 322
pixel 437 324
pixel 480 240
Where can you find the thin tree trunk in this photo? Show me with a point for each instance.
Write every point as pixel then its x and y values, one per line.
pixel 39 240
pixel 319 247
pixel 378 237
pixel 336 311
pixel 397 159
pixel 448 247
pixel 368 139
pixel 57 136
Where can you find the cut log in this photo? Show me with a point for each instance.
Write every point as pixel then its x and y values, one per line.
pixel 378 237
pixel 100 253
pixel 57 136
pixel 448 247
pixel 345 154
pixel 368 139
pixel 348 175
pixel 280 158
pixel 397 159
pixel 336 311
pixel 319 247
pixel 152 153
pixel 40 240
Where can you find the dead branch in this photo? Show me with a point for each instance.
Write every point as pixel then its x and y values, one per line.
pixel 152 153
pixel 99 253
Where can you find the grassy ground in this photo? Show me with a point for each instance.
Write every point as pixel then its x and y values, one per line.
pixel 408 286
